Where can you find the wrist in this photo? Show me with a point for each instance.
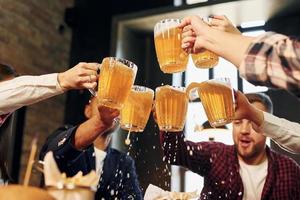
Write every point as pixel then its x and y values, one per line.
pixel 61 78
pixel 257 116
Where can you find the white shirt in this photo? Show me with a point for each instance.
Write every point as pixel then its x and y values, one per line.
pixel 25 90
pixel 282 131
pixel 254 178
pixel 99 160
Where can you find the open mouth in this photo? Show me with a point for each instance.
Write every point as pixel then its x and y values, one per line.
pixel 245 142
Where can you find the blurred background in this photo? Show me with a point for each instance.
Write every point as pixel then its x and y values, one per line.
pixel 39 37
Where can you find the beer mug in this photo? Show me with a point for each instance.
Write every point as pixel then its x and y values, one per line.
pixel 217 99
pixel 116 78
pixel 171 107
pixel 167 38
pixel 137 108
pixel 205 59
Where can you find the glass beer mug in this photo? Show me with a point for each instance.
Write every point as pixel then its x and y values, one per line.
pixel 167 38
pixel 116 78
pixel 205 59
pixel 171 107
pixel 217 99
pixel 137 108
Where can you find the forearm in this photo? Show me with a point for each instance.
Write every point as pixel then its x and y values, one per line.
pixel 283 132
pixel 230 46
pixel 26 90
pixel 88 131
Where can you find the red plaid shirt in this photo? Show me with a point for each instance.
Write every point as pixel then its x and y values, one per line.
pixel 273 60
pixel 218 164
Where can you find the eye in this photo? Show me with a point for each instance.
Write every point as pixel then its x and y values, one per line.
pixel 237 122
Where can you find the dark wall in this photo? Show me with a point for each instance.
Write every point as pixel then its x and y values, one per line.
pixel 90 21
pixel 145 148
pixel 91 25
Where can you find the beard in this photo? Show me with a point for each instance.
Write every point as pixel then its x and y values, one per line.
pixel 249 153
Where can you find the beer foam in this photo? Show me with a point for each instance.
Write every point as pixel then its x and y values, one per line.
pixel 165 25
pixel 168 88
pixel 219 82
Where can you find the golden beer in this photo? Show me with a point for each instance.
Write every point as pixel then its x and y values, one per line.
pixel 171 108
pixel 205 59
pixel 217 99
pixel 167 39
pixel 115 81
pixel 137 108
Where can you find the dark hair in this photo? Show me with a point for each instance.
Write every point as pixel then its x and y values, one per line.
pixel 7 72
pixel 261 98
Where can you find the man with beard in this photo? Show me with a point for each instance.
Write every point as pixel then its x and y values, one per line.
pixel 246 170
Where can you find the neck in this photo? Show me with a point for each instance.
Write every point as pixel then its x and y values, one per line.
pixel 256 160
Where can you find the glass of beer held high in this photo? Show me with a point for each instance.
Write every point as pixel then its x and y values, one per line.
pixel 137 108
pixel 116 78
pixel 205 59
pixel 170 107
pixel 167 39
pixel 217 99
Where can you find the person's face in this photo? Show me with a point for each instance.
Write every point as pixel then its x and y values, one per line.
pixel 249 144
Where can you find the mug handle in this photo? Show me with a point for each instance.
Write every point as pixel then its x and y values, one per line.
pixel 93 91
pixel 191 91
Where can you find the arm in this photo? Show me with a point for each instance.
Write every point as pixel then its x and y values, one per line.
pixel 197 157
pixel 131 185
pixel 98 124
pixel 271 59
pixel 197 35
pixel 282 131
pixel 27 90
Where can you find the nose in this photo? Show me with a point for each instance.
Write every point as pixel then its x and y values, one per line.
pixel 246 127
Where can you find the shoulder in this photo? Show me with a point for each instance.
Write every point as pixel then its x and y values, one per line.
pixel 285 162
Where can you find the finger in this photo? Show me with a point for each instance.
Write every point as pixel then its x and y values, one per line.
pixel 220 17
pixel 187 28
pixel 87 72
pixel 89 85
pixel 184 22
pixel 189 33
pixel 91 66
pixel 187 42
pixel 216 22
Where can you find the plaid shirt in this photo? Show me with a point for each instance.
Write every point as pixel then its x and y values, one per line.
pixel 273 60
pixel 218 164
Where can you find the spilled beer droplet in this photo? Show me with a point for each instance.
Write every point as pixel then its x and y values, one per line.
pixel 127 140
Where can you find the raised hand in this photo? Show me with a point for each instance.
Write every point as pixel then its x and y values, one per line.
pixel 83 75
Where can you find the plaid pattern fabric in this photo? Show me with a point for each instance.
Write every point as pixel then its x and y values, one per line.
pixel 273 60
pixel 218 164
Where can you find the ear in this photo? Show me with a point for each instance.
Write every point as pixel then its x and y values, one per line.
pixel 88 111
